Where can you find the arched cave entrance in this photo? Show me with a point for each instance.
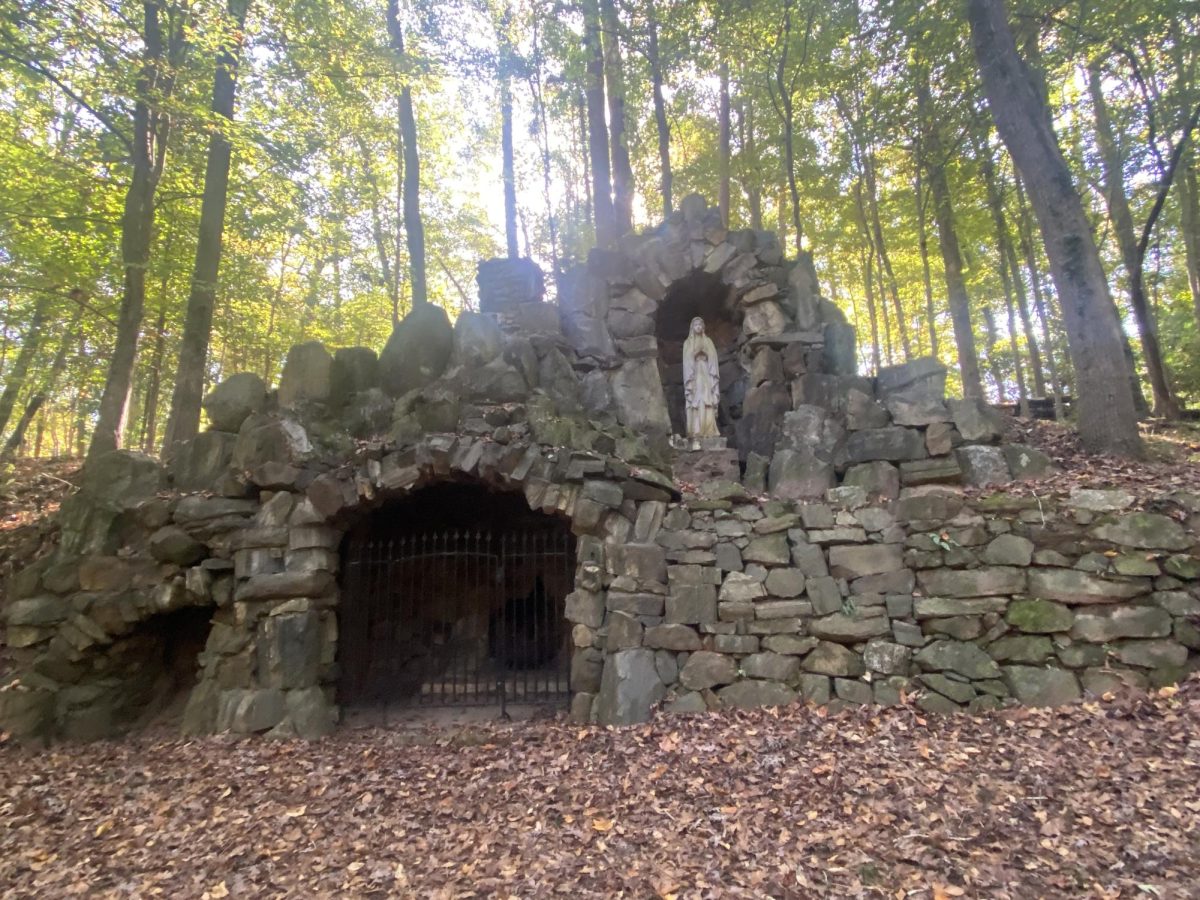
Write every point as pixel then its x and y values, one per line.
pixel 455 596
pixel 707 296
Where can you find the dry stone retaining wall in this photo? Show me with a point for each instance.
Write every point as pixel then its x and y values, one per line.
pixel 959 603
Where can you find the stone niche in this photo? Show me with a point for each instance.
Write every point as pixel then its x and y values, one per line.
pixel 846 564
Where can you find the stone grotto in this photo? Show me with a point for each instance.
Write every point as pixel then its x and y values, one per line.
pixel 822 549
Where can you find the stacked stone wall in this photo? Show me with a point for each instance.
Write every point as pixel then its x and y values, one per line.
pixel 947 601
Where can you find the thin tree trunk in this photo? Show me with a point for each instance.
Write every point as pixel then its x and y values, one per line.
pixel 869 277
pixel 660 115
pixel 614 78
pixel 1008 274
pixel 1025 235
pixel 724 151
pixel 923 249
pixel 183 423
pixel 753 179
pixel 151 132
pixel 1104 403
pixel 150 415
pixel 602 202
pixel 1189 202
pixel 381 245
pixel 943 213
pixel 885 261
pixel 993 358
pixel 539 104
pixel 14 379
pixel 18 436
pixel 508 167
pixel 1127 242
pixel 414 229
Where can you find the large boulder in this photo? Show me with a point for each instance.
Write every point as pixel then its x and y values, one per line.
pixel 231 401
pixel 418 350
pixel 892 444
pixel 1041 687
pixel 762 417
pixel 265 438
pixel 982 465
pixel 799 475
pixel 307 375
pixel 198 464
pixel 976 420
pixel 582 309
pixel 477 339
pixel 629 687
pixel 638 395
pixel 920 380
pixel 355 369
pixel 960 657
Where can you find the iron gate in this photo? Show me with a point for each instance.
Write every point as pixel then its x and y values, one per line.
pixel 456 618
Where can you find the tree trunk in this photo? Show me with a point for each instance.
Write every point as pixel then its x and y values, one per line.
pixel 869 277
pixel 602 201
pixel 1131 257
pixel 414 229
pixel 508 168
pixel 46 388
pixel 161 58
pixel 614 78
pixel 923 248
pixel 1104 403
pixel 660 116
pixel 150 414
pixel 380 239
pixel 993 359
pixel 18 436
pixel 14 379
pixel 885 261
pixel 1009 276
pixel 1189 202
pixel 539 103
pixel 956 286
pixel 1025 235
pixel 723 143
pixel 752 177
pixel 183 423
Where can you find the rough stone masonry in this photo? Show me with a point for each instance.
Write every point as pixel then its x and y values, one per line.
pixel 830 555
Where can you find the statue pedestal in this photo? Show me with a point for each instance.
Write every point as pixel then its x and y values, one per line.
pixel 717 463
pixel 691 444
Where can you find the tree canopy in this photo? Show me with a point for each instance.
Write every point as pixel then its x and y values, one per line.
pixel 369 147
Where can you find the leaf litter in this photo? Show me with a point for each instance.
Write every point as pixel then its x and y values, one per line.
pixel 1094 800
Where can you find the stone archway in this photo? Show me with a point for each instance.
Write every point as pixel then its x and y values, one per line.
pixel 704 295
pixel 454 596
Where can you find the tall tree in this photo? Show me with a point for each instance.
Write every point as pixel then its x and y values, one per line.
pixel 662 126
pixel 504 64
pixel 184 419
pixel 935 159
pixel 163 48
pixel 1107 419
pixel 614 80
pixel 597 130
pixel 414 226
pixel 1133 249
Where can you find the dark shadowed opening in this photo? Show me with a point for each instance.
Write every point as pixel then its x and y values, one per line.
pixel 162 661
pixel 707 296
pixel 455 596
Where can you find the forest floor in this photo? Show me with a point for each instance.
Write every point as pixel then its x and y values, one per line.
pixel 1096 800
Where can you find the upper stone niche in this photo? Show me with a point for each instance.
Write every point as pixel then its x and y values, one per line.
pixel 707 297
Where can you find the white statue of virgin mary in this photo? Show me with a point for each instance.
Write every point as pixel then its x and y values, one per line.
pixel 701 382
